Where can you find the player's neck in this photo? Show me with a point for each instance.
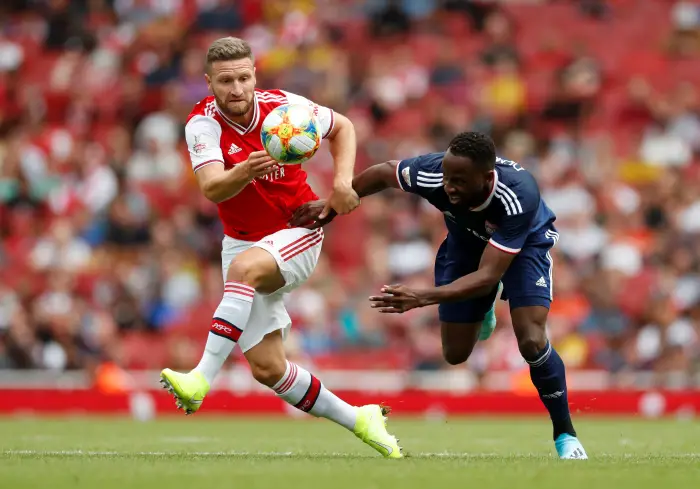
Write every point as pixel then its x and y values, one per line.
pixel 243 120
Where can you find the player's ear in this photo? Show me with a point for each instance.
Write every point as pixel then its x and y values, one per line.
pixel 207 78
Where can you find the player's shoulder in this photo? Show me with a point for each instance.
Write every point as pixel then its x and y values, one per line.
pixel 516 182
pixel 429 162
pixel 203 120
pixel 205 107
pixel 273 97
pixel 422 173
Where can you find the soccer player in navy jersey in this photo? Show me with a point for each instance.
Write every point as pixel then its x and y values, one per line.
pixel 500 232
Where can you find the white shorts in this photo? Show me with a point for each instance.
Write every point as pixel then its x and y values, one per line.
pixel 296 252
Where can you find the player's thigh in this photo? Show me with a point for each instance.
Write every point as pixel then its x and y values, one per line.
pixel 296 252
pixel 458 340
pixel 258 268
pixel 528 280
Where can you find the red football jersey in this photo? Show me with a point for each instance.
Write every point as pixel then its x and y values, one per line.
pixel 266 204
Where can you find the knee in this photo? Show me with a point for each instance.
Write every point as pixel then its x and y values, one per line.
pixel 268 372
pixel 455 356
pixel 531 340
pixel 246 272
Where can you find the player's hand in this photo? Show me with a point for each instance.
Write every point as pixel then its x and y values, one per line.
pixel 397 299
pixel 259 163
pixel 307 216
pixel 343 200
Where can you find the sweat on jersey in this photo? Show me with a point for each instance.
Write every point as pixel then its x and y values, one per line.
pixel 509 219
pixel 265 205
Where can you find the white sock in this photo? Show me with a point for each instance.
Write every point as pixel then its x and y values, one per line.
pixel 229 321
pixel 305 392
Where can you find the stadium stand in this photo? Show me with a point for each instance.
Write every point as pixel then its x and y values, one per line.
pixel 108 253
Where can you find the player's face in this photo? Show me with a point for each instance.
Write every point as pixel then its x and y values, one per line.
pixel 466 184
pixel 233 85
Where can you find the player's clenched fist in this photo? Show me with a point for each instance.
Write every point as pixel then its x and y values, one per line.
pixel 259 163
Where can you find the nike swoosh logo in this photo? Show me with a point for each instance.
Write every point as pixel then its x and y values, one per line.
pixel 385 447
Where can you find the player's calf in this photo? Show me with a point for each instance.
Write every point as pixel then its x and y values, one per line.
pixel 267 360
pixel 303 390
pixel 547 370
pixel 294 384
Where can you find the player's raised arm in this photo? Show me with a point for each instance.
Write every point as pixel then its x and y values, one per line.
pixel 218 184
pixel 374 179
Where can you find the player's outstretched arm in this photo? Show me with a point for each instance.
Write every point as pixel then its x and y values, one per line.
pixel 374 179
pixel 399 298
pixel 218 184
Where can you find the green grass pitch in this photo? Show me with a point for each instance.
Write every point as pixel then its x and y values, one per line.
pixel 249 453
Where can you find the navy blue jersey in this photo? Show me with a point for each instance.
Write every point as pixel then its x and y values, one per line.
pixel 513 217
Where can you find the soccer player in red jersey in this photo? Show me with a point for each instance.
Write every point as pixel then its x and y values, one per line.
pixel 262 258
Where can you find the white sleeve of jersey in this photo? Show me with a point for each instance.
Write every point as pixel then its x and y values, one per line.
pixel 203 135
pixel 324 114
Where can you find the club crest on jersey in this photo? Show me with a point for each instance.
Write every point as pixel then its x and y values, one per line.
pixel 234 149
pixel 406 175
pixel 198 146
pixel 490 228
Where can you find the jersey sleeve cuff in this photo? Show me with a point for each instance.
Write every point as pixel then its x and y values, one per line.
pixel 330 126
pixel 201 165
pixel 512 251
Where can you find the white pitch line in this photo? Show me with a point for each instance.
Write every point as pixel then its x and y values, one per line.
pixel 271 454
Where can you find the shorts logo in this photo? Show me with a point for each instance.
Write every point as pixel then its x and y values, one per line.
pixel 269 242
pixel 490 228
pixel 406 174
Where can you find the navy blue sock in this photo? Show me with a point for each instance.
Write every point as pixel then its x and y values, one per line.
pixel 549 377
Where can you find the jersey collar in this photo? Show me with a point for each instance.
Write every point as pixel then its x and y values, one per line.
pixel 491 194
pixel 238 127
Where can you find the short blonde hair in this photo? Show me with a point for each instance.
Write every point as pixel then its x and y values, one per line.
pixel 228 49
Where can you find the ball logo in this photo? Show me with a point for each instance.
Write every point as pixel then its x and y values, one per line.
pixel 221 327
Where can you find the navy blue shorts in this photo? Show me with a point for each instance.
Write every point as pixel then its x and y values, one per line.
pixel 527 282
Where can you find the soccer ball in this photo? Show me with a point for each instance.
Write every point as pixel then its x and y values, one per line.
pixel 290 134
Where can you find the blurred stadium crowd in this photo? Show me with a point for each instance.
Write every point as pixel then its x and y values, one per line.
pixel 108 252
